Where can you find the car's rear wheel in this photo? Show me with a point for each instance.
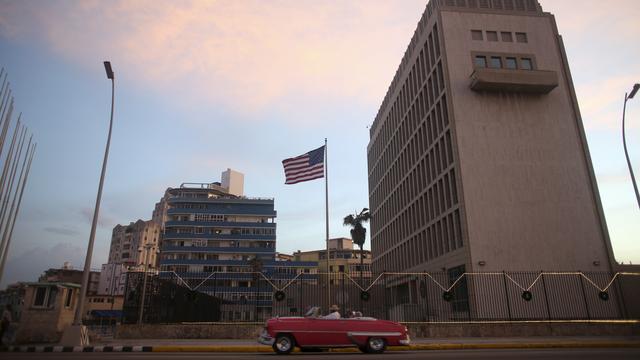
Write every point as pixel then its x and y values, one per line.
pixel 284 344
pixel 376 345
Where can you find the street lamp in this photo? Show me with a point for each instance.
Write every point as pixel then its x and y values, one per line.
pixel 144 283
pixel 635 89
pixel 77 334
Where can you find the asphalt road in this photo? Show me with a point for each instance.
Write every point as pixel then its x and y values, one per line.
pixel 534 354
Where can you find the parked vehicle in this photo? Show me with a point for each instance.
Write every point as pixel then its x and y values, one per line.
pixel 368 334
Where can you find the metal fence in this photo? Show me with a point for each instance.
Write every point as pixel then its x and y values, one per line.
pixel 406 297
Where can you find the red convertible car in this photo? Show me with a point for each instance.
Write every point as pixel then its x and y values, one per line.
pixel 368 334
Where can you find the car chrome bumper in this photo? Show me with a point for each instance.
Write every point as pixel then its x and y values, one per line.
pixel 265 338
pixel 406 341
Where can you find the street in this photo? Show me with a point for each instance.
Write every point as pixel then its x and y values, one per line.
pixel 538 354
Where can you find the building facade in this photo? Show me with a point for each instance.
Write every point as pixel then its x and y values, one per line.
pixel 216 240
pixel 343 258
pixel 130 244
pixel 478 159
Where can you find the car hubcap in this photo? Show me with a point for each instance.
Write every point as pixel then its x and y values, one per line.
pixel 376 344
pixel 283 344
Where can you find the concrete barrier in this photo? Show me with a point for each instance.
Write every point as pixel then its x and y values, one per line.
pixel 495 330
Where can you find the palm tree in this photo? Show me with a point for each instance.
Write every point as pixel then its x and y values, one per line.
pixel 358 232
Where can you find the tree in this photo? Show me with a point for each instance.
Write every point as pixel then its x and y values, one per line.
pixel 358 232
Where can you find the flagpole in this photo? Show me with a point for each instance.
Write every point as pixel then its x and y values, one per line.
pixel 326 201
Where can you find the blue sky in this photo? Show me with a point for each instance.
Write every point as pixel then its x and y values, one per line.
pixel 206 86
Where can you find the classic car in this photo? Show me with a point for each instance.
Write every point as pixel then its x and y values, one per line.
pixel 368 334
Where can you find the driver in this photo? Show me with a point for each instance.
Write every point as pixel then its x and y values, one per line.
pixel 334 313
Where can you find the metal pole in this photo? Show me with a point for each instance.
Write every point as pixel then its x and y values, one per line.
pixel 626 153
pixel 144 283
pixel 584 296
pixel 506 292
pixel 17 211
pixel 326 199
pixel 546 297
pixel 77 320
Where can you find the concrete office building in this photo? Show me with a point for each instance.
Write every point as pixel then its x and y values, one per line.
pixel 478 159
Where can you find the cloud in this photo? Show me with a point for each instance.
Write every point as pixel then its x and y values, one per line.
pixel 245 55
pixel 104 220
pixel 62 231
pixel 31 263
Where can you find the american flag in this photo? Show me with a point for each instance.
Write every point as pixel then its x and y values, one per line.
pixel 305 167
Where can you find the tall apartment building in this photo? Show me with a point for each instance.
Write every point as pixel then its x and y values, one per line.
pixel 131 244
pixel 212 228
pixel 478 159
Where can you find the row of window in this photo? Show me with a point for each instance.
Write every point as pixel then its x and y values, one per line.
pixel 434 241
pixel 216 231
pixel 503 62
pixel 45 297
pixel 425 81
pixel 425 208
pixel 505 36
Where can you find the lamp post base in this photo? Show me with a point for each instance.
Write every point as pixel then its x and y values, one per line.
pixel 75 335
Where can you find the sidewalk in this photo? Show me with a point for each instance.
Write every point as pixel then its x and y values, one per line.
pixel 250 346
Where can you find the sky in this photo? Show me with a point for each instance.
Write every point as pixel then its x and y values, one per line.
pixel 202 86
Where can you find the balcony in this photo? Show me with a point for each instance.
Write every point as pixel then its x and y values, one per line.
pixel 518 81
pixel 181 236
pixel 230 249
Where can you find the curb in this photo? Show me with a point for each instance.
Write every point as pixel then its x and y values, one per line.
pixel 267 349
pixel 58 349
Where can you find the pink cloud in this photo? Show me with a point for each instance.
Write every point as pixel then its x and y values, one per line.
pixel 246 55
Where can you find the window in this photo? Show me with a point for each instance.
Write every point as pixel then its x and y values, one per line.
pixel 480 61
pixel 496 62
pixel 476 35
pixel 506 36
pixel 511 63
pixel 40 297
pixel 526 64
pixel 51 298
pixel 492 36
pixel 521 37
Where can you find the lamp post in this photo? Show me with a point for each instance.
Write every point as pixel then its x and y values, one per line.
pixel 633 92
pixel 144 282
pixel 77 333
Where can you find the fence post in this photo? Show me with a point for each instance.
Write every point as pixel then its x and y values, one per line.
pixel 384 295
pixel 506 293
pixel 625 314
pixel 584 295
pixel 546 298
pixel 426 298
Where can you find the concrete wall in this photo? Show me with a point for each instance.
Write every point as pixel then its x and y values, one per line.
pixel 528 198
pixel 249 331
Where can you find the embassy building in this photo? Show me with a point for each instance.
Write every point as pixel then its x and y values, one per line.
pixel 477 159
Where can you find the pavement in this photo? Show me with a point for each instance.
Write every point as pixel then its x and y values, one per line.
pixel 252 346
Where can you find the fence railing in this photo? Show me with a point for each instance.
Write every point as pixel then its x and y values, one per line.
pixel 406 297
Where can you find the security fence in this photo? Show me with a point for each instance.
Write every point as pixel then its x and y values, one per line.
pixel 406 297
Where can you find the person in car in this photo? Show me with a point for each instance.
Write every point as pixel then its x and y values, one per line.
pixel 334 313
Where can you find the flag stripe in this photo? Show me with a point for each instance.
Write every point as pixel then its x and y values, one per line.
pixel 305 167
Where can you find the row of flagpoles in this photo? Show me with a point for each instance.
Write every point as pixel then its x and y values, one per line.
pixel 15 163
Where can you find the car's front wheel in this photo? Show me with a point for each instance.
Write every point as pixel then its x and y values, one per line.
pixel 284 344
pixel 376 345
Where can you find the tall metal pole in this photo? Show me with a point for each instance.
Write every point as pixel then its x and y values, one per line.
pixel 326 201
pixel 626 153
pixel 22 184
pixel 77 320
pixel 144 282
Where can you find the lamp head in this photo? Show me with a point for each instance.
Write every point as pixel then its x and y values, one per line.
pixel 107 68
pixel 635 89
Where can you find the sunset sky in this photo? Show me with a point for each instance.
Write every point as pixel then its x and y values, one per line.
pixel 202 86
